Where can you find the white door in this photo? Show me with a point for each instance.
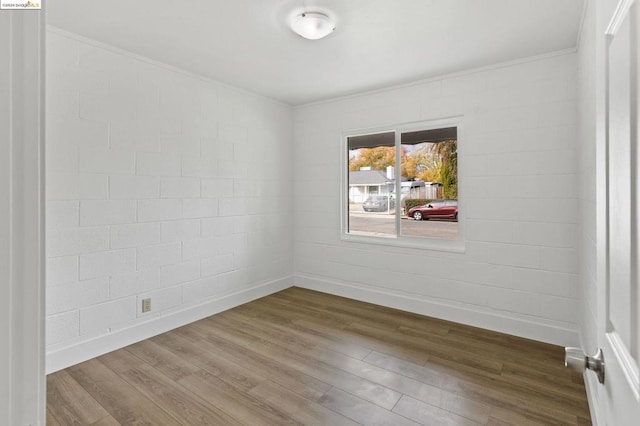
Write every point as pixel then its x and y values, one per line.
pixel 619 331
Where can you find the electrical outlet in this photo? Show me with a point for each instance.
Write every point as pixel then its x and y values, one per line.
pixel 146 305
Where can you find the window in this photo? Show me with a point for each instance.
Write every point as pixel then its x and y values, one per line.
pixel 401 186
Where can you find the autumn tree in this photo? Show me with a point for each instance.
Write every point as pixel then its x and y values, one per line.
pixel 430 162
pixel 378 158
pixel 448 153
pixel 422 164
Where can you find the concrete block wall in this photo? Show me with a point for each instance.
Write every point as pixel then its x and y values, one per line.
pixel 160 184
pixel 518 170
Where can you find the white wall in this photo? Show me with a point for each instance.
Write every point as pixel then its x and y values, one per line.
pixel 22 381
pixel 165 185
pixel 160 184
pixel 5 218
pixel 518 171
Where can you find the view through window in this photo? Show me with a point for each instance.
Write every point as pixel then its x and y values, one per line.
pixel 426 204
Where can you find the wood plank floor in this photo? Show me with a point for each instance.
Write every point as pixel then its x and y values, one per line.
pixel 303 357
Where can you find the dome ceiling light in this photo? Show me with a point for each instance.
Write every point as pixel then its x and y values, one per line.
pixel 312 25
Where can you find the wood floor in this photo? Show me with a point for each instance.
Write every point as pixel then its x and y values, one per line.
pixel 302 357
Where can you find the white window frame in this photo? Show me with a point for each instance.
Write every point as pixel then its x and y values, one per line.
pixel 400 240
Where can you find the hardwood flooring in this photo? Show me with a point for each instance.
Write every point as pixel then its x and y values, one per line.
pixel 303 357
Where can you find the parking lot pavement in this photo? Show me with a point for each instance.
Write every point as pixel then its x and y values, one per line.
pixel 384 223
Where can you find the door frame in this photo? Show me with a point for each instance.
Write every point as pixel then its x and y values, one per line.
pixel 22 287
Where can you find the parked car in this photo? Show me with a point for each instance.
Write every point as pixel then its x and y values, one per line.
pixel 442 209
pixel 379 203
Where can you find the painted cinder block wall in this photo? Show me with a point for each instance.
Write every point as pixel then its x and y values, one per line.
pixel 519 201
pixel 160 184
pixel 164 184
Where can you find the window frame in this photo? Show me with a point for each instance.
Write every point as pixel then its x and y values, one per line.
pixel 426 243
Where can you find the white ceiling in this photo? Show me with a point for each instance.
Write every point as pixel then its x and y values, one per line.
pixel 377 43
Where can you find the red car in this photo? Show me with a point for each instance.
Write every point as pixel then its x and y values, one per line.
pixel 441 209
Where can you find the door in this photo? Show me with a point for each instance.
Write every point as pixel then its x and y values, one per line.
pixel 619 329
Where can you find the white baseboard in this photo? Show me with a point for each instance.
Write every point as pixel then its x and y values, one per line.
pixel 85 350
pixel 423 306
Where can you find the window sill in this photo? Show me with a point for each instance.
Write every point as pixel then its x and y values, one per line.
pixel 434 244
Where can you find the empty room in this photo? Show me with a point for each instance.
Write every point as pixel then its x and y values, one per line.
pixel 319 212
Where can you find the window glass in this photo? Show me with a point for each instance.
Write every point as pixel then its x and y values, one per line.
pixel 371 184
pixel 423 165
pixel 430 170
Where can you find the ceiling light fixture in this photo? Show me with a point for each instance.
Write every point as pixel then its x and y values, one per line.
pixel 312 25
